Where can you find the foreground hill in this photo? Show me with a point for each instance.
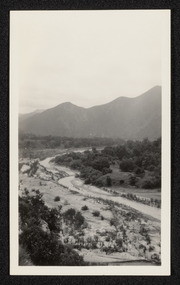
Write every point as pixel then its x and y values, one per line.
pixel 128 118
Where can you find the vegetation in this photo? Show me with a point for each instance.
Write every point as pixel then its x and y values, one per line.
pixel 41 244
pixel 72 217
pixel 96 213
pixel 48 236
pixel 146 201
pixel 57 198
pixel 141 159
pixel 28 142
pixel 84 208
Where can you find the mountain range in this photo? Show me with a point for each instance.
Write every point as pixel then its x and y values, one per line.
pixel 124 117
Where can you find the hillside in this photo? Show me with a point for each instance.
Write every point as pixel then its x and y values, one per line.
pixel 128 118
pixel 28 115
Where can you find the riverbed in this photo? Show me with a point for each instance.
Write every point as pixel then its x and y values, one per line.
pixel 76 184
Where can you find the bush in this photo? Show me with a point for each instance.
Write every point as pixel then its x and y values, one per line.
pixel 132 180
pixel 96 213
pixel 69 215
pixel 126 165
pixel 24 258
pixel 79 220
pixel 139 170
pixel 151 248
pixel 57 198
pixel 84 208
pixel 106 170
pixel 155 258
pixel 45 249
pixel 119 242
pixel 99 182
pixel 100 163
pixel 151 182
pixel 108 181
pixel 113 222
pixel 74 217
pixel 87 181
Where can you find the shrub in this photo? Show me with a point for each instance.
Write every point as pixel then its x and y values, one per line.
pixel 84 208
pixel 132 180
pixel 57 198
pixel 96 213
pixel 98 182
pixel 70 215
pixel 87 181
pixel 151 182
pixel 24 258
pixel 45 249
pixel 74 217
pixel 79 220
pixel 151 248
pixel 155 258
pixel 126 165
pixel 113 222
pixel 106 170
pixel 119 242
pixel 107 238
pixel 139 170
pixel 101 163
pixel 108 181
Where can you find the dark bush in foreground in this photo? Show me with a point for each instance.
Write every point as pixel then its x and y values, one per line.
pixel 84 208
pixel 73 217
pixel 24 257
pixel 155 258
pixel 45 249
pixel 57 198
pixel 96 213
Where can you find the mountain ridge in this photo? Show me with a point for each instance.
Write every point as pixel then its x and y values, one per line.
pixel 125 117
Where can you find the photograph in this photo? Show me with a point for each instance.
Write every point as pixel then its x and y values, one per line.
pixel 90 131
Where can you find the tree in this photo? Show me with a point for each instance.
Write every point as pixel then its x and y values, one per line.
pixel 108 181
pixel 126 165
pixel 46 249
pixel 100 163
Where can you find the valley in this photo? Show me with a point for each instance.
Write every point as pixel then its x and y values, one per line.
pixel 115 230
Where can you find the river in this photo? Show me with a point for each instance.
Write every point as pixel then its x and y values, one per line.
pixel 76 184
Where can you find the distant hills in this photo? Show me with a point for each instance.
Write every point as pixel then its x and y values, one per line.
pixel 28 115
pixel 127 118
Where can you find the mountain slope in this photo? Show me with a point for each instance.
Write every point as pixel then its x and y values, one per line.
pixel 28 115
pixel 128 118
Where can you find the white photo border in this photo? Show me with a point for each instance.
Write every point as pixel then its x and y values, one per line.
pixel 164 268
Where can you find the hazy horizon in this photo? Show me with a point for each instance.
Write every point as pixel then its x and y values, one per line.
pixel 84 57
pixel 51 107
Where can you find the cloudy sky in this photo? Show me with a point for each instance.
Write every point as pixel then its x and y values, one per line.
pixel 85 57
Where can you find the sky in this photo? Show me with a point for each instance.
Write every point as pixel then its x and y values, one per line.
pixel 84 57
